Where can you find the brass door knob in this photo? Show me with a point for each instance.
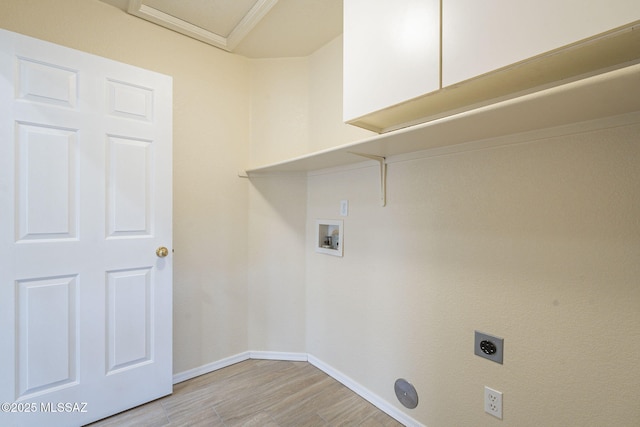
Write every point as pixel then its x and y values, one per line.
pixel 162 252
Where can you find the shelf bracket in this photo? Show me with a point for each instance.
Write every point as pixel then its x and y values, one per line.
pixel 383 174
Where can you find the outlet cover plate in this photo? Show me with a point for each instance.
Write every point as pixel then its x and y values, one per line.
pixel 344 208
pixel 496 341
pixel 493 402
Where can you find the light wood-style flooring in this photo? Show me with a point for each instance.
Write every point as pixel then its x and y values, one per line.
pixel 257 393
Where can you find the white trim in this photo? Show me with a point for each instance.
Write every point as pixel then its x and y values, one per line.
pixel 210 367
pixel 334 169
pixel 366 394
pixel 288 174
pixel 357 388
pixel 277 355
pixel 240 357
pixel 250 20
pixel 253 16
pixel 526 137
pixel 612 92
pixel 176 24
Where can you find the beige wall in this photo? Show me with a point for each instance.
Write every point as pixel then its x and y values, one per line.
pixel 296 106
pixel 279 109
pixel 536 242
pixel 211 110
pixel 277 220
pixel 326 128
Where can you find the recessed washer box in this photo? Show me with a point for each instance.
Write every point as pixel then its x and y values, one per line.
pixel 329 236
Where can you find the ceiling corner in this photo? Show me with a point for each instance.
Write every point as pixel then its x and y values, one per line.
pixel 176 23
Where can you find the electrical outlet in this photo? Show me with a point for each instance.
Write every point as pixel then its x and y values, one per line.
pixel 493 402
pixel 488 346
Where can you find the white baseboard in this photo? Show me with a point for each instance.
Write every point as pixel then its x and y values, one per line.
pixel 277 355
pixel 241 357
pixel 357 388
pixel 366 394
pixel 210 367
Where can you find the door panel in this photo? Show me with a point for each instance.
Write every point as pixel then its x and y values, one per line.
pixel 46 173
pixel 85 200
pixel 47 342
pixel 129 321
pixel 129 186
pixel 46 83
pixel 130 101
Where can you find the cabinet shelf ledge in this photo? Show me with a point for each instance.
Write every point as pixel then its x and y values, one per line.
pixel 598 96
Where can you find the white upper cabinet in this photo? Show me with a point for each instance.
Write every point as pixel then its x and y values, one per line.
pixel 482 36
pixel 412 61
pixel 391 53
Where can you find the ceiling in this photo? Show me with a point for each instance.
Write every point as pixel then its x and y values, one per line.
pixel 252 28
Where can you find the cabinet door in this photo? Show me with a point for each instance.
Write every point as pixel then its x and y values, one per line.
pixel 391 53
pixel 478 37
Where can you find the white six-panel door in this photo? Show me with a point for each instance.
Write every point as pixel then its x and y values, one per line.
pixel 85 201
